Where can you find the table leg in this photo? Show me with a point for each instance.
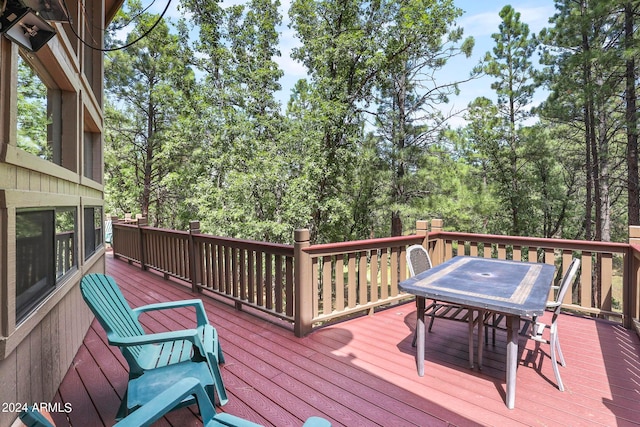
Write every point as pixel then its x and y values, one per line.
pixel 471 325
pixel 513 327
pixel 420 335
pixel 481 314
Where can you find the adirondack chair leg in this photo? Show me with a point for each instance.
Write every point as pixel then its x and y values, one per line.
pixel 221 392
pixel 123 410
pixel 220 354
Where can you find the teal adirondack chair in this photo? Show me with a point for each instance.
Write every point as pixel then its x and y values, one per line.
pixel 154 352
pixel 164 402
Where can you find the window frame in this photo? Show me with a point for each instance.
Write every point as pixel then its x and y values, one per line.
pixel 93 229
pixel 32 295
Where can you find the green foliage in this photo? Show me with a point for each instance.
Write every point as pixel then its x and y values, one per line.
pixel 148 89
pixel 584 71
pixel 194 131
pixel 498 132
pixel 32 113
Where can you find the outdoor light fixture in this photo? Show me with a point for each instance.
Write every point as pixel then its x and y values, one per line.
pixel 51 10
pixel 25 26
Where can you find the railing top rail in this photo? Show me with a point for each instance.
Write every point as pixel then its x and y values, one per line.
pixel 125 225
pixel 358 245
pixel 584 245
pixel 149 229
pixel 248 244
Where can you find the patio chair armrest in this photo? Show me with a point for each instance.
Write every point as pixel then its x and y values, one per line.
pixel 201 315
pixel 167 400
pixel 191 335
pixel 553 304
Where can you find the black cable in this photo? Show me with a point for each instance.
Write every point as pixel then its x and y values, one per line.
pixel 133 18
pixel 120 47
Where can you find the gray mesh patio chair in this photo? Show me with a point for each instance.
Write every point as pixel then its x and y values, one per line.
pixel 537 328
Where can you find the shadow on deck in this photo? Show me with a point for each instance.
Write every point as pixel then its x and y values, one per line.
pixel 362 372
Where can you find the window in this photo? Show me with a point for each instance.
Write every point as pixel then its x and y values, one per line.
pixel 65 241
pixel 92 156
pixel 35 269
pixel 32 113
pixel 92 230
pixel 45 253
pixel 40 109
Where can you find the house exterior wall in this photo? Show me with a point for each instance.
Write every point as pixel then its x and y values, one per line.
pixel 36 348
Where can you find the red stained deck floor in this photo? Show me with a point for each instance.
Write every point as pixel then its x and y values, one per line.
pixel 362 372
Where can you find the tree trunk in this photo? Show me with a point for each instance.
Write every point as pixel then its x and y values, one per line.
pixel 604 194
pixel 633 205
pixel 399 139
pixel 588 123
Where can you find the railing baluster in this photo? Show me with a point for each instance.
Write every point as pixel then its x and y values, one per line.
pixel 251 267
pixel 567 257
pixel 339 306
pixel 375 291
pixel 394 271
pixel 473 249
pixel 605 282
pixel 487 250
pixel 260 285
pixel 351 281
pixel 243 274
pixel 278 288
pixel 289 287
pixel 384 273
pixel 315 291
pixel 517 253
pixel 268 282
pixel 363 285
pixel 326 285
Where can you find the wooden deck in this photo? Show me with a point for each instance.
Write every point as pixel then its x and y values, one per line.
pixel 362 372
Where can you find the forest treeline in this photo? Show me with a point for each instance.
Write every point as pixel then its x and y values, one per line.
pixel 363 148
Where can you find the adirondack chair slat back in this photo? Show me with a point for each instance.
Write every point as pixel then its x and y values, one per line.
pixel 103 296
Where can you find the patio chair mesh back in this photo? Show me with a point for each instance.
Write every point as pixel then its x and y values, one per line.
pixel 566 283
pixel 418 259
pixel 103 296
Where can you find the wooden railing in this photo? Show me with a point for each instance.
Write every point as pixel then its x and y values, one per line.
pixel 256 274
pixel 340 279
pixel 65 252
pixel 310 284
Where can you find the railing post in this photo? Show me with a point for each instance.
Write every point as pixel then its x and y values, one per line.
pixel 302 282
pixel 194 257
pixel 631 286
pixel 114 221
pixel 438 250
pixel 422 229
pixel 142 222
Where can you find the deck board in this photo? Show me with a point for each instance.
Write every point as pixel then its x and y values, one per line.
pixel 362 372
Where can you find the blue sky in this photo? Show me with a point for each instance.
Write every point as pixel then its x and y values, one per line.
pixel 480 19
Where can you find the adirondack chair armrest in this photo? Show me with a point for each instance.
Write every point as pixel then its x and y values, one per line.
pixel 201 315
pixel 316 422
pixel 191 335
pixel 167 400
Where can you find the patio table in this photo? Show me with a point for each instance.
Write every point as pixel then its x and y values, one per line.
pixel 513 288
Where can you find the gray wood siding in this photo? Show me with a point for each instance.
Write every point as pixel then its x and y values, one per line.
pixel 33 372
